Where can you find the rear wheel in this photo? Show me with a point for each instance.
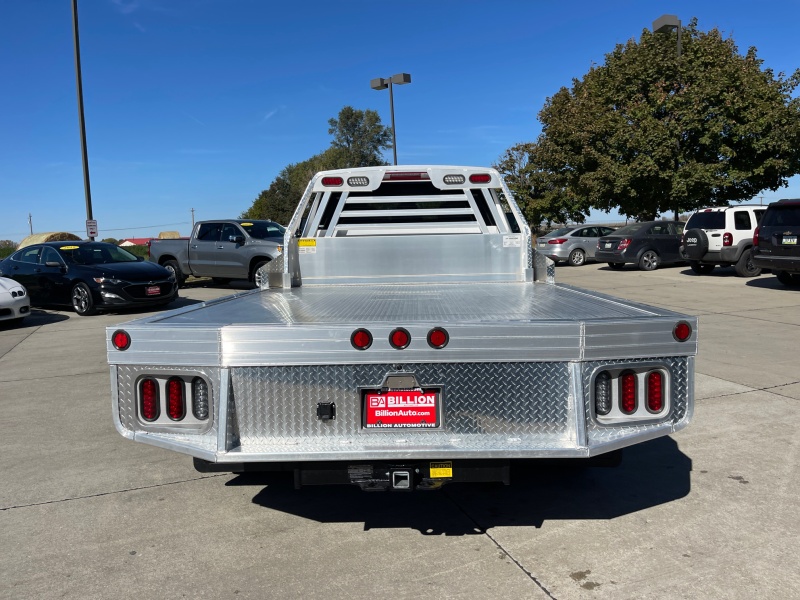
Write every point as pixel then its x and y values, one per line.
pixel 700 268
pixel 648 261
pixel 617 266
pixel 82 300
pixel 173 267
pixel 577 257
pixel 745 266
pixel 790 279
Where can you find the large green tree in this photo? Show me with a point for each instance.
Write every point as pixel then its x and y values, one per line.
pixel 650 133
pixel 358 139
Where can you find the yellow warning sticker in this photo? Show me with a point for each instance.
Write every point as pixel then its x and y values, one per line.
pixel 441 469
pixel 306 242
pixel 68 247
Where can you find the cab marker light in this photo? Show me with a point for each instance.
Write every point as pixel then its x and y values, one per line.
pixel 438 338
pixel 399 339
pixel 480 178
pixel 361 339
pixel 453 179
pixel 332 181
pixel 357 181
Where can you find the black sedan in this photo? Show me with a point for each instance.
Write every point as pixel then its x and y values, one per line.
pixel 647 244
pixel 89 276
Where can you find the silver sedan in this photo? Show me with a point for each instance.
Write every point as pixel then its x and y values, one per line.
pixel 572 244
pixel 15 304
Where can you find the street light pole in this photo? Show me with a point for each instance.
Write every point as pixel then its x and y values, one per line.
pixel 84 155
pixel 381 84
pixel 665 24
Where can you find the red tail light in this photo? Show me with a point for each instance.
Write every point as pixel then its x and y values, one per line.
pixel 121 340
pixel 755 237
pixel 727 239
pixel 438 338
pixel 624 244
pixel 149 399
pixel 557 241
pixel 682 331
pixel 332 181
pixel 627 390
pixel 655 392
pixel 480 178
pixel 407 176
pixel 399 338
pixel 176 402
pixel 361 339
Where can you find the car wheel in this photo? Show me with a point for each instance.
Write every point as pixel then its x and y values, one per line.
pixel 577 258
pixel 789 279
pixel 256 274
pixel 745 267
pixel 617 266
pixel 700 268
pixel 82 300
pixel 648 261
pixel 174 268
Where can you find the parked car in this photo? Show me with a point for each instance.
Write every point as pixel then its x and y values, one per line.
pixel 89 276
pixel 775 243
pixel 15 304
pixel 572 244
pixel 647 244
pixel 722 235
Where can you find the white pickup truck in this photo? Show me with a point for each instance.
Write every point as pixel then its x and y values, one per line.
pixel 406 338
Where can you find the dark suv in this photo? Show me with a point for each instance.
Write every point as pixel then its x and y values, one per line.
pixel 775 243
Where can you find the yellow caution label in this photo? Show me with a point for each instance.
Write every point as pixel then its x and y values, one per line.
pixel 306 242
pixel 68 248
pixel 441 470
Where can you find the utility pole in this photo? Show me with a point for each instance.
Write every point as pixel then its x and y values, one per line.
pixel 30 222
pixel 84 154
pixel 192 219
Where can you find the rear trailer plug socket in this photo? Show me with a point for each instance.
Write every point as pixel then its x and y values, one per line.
pixel 326 411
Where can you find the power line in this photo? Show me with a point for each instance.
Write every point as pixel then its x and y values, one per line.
pixel 83 231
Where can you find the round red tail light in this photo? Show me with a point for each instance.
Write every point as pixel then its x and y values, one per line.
pixel 655 392
pixel 627 393
pixel 121 340
pixel 176 405
pixel 361 339
pixel 438 338
pixel 399 338
pixel 682 331
pixel 148 393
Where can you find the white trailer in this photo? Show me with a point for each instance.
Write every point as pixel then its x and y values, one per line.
pixel 409 336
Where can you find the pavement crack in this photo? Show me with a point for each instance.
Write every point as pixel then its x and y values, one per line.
pixel 101 494
pixel 499 546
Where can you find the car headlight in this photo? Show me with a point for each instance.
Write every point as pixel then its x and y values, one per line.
pixel 108 280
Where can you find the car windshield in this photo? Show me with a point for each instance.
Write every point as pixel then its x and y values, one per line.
pixel 94 254
pixel 262 230
pixel 707 220
pixel 629 229
pixel 559 232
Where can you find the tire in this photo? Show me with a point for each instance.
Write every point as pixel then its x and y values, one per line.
pixel 648 261
pixel 745 267
pixel 255 277
pixel 617 266
pixel 174 268
pixel 788 279
pixel 700 268
pixel 695 244
pixel 577 258
pixel 82 300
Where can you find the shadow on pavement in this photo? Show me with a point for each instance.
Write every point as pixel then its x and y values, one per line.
pixel 36 318
pixel 771 282
pixel 651 474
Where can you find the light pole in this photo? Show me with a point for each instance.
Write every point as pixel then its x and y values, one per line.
pixel 381 84
pixel 665 24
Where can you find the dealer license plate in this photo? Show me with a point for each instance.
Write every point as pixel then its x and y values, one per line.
pixel 789 239
pixel 406 409
pixel 152 290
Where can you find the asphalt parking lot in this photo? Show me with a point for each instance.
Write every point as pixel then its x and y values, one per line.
pixel 711 512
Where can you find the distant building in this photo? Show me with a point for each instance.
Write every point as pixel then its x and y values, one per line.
pixel 135 241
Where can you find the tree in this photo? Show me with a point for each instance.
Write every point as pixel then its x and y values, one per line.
pixel 649 133
pixel 361 136
pixel 7 244
pixel 358 140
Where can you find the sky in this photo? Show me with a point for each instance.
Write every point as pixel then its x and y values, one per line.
pixel 199 104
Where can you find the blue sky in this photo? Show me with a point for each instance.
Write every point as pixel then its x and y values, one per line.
pixel 200 103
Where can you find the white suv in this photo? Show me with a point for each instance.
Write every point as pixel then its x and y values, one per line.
pixel 722 236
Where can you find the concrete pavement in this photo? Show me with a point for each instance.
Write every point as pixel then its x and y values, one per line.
pixel 708 513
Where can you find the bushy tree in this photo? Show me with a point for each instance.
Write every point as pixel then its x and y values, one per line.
pixel 649 133
pixel 361 136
